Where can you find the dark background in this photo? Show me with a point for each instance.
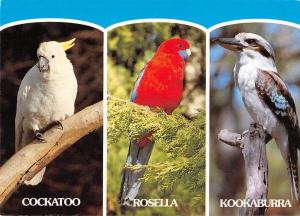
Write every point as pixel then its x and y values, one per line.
pixel 78 171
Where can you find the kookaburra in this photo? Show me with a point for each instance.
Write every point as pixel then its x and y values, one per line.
pixel 266 96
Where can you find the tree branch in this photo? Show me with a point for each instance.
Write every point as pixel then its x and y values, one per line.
pixel 253 145
pixel 28 161
pixel 231 138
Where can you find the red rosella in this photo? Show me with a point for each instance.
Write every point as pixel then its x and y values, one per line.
pixel 159 84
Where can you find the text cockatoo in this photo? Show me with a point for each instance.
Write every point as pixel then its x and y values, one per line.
pixel 46 96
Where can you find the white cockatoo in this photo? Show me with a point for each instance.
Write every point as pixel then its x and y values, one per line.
pixel 46 96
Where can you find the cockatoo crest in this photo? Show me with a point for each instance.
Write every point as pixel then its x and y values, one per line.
pixel 52 55
pixel 68 44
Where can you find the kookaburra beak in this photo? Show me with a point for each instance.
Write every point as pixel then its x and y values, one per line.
pixel 229 43
pixel 43 64
pixel 185 53
pixel 68 44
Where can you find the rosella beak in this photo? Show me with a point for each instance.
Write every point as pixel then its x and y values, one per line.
pixel 185 53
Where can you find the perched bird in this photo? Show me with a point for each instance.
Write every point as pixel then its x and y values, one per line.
pixel 46 96
pixel 159 84
pixel 266 97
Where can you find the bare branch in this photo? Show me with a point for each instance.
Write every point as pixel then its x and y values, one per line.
pixel 253 145
pixel 33 157
pixel 231 138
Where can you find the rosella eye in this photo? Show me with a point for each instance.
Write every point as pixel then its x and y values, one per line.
pixel 181 46
pixel 52 56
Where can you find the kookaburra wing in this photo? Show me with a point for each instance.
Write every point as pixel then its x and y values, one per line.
pixel 46 95
pixel 266 97
pixel 272 90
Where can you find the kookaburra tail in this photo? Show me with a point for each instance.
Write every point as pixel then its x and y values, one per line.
pixel 266 96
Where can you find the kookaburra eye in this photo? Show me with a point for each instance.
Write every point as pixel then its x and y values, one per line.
pixel 250 41
pixel 52 56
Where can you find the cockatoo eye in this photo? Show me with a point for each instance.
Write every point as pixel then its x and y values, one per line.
pixel 52 56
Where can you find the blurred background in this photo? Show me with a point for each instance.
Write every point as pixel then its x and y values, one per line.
pixel 77 172
pixel 130 47
pixel 227 111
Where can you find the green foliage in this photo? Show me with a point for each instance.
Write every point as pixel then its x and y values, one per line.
pixel 178 170
pixel 126 41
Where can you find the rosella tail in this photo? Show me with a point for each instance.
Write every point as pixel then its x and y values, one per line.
pixel 137 156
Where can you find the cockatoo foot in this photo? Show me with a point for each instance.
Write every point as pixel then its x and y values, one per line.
pixel 51 125
pixel 59 125
pixel 39 136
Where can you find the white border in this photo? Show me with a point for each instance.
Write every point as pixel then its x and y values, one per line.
pixel 105 31
pixel 58 20
pixel 249 21
pixel 150 20
pixel 174 21
pixel 207 122
pixel 104 153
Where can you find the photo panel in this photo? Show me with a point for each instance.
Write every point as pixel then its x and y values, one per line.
pixel 156 119
pixel 50 71
pixel 254 77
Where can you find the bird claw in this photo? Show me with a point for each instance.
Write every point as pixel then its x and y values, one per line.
pixel 59 125
pixel 245 133
pixel 39 136
pixel 127 202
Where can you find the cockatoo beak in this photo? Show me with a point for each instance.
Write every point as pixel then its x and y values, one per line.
pixel 68 44
pixel 185 53
pixel 43 64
